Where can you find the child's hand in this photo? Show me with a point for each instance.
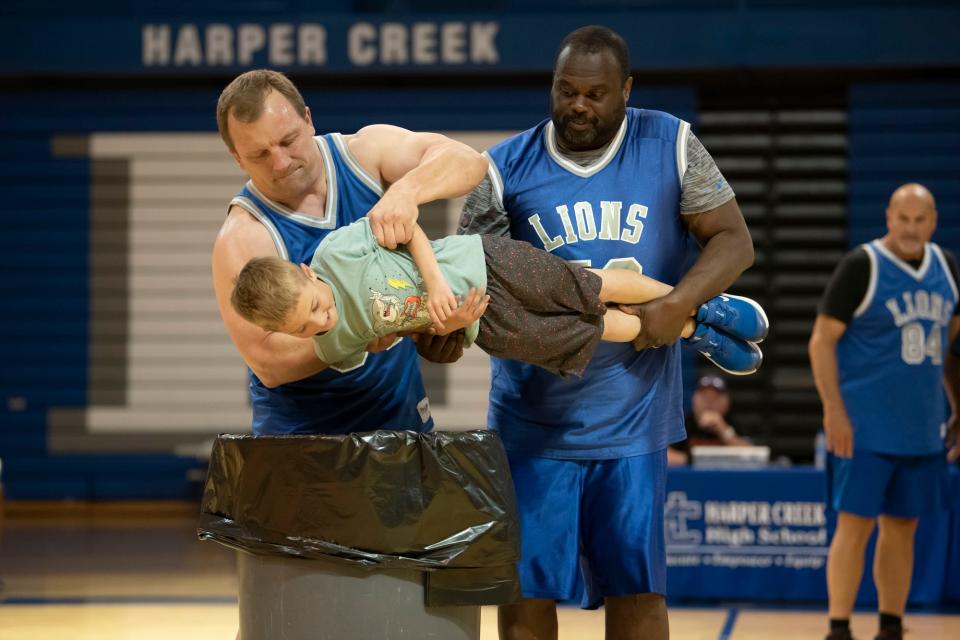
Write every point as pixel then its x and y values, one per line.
pixel 441 303
pixel 466 314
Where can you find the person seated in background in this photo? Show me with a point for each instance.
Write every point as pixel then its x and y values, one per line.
pixel 707 422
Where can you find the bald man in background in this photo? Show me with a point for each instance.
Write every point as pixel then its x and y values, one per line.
pixel 877 352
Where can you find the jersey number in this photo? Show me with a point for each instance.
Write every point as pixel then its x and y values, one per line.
pixel 915 346
pixel 630 264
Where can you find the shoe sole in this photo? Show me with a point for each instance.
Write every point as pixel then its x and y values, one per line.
pixel 735 372
pixel 759 310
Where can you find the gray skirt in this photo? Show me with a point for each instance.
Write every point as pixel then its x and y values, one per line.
pixel 543 310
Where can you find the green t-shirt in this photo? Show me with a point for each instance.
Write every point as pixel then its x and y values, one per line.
pixel 378 291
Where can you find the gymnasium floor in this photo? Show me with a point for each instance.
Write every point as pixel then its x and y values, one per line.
pixel 138 573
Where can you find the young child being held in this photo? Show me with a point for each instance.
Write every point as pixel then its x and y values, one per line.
pixel 538 309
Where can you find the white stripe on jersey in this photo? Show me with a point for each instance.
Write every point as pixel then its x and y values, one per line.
pixel 355 166
pixel 496 180
pixel 871 285
pixel 681 153
pixel 251 207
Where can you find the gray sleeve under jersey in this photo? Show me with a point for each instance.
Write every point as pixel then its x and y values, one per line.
pixel 703 187
pixel 483 212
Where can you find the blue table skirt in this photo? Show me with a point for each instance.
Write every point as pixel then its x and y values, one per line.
pixel 764 535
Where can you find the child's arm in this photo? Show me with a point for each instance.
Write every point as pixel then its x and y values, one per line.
pixel 441 302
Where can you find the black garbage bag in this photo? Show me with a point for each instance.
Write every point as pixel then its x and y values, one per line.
pixel 439 502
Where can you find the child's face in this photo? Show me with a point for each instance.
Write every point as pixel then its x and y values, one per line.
pixel 315 311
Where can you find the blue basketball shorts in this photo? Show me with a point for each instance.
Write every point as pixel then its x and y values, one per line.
pixel 591 528
pixel 870 483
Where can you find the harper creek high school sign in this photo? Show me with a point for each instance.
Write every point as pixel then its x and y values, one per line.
pixel 310 45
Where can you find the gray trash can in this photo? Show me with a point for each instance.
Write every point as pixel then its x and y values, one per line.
pixel 299 599
pixel 380 535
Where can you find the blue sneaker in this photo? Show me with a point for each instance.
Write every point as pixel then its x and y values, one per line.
pixel 736 316
pixel 733 355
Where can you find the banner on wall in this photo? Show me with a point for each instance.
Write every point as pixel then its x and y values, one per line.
pixel 764 535
pixel 356 44
pixel 742 534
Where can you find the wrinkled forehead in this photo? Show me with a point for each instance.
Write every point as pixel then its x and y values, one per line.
pixel 276 121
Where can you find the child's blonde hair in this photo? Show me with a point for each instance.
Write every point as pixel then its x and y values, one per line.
pixel 266 291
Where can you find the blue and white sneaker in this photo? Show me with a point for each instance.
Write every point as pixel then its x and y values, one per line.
pixel 736 316
pixel 733 355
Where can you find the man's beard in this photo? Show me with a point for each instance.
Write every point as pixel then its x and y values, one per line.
pixel 598 134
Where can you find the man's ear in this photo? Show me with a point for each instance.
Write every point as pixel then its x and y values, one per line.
pixel 309 118
pixel 626 89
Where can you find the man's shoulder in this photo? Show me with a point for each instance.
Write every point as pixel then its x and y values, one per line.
pixel 650 123
pixel 517 143
pixel 359 145
pixel 242 232
pixel 859 252
pixel 947 254
pixel 855 263
pixel 652 115
pixel 950 263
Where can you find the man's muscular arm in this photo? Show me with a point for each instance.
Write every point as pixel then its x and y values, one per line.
pixel 416 168
pixel 727 251
pixel 276 358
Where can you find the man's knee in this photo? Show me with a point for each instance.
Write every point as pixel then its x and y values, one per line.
pixel 640 615
pixel 529 619
pixel 638 601
pixel 853 528
pixel 896 526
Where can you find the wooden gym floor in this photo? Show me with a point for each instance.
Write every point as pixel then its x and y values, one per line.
pixel 138 572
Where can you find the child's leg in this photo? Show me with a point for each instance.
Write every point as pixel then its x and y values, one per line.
pixel 731 354
pixel 737 316
pixel 624 327
pixel 629 287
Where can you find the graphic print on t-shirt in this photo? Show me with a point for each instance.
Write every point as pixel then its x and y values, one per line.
pixel 398 306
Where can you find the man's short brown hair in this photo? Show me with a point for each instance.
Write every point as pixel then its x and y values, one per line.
pixel 266 291
pixel 245 97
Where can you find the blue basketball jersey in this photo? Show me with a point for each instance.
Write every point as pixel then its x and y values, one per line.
pixel 890 359
pixel 622 212
pixel 387 391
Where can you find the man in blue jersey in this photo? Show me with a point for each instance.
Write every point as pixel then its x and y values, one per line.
pixel 301 187
pixel 607 187
pixel 877 352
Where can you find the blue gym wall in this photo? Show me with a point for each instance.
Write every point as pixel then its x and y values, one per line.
pixel 49 50
pixel 904 132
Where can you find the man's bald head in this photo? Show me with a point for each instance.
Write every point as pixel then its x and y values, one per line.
pixel 911 221
pixel 914 194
